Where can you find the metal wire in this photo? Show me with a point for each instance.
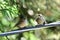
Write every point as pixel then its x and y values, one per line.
pixel 54 24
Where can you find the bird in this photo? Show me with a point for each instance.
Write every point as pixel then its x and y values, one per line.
pixel 22 22
pixel 40 21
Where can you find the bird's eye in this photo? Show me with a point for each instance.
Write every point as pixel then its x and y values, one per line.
pixel 38 15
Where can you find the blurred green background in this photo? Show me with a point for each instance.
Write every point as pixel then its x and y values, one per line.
pixel 11 9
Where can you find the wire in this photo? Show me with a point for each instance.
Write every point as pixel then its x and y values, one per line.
pixel 54 24
pixel 5 36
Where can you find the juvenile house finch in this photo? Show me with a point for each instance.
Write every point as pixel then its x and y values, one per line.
pixel 41 21
pixel 22 21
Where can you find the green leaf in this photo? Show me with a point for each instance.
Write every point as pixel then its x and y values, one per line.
pixel 33 37
pixel 5 22
pixel 33 22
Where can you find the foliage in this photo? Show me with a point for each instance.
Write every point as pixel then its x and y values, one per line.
pixel 10 10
